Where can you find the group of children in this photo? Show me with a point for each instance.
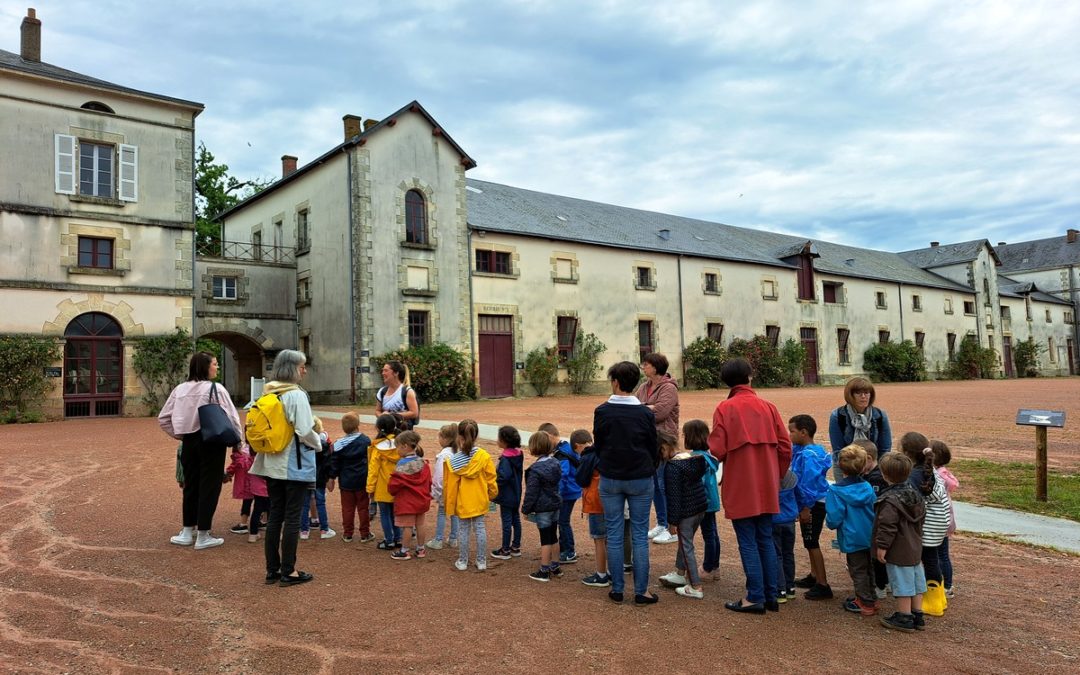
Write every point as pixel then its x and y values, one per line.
pixel 892 517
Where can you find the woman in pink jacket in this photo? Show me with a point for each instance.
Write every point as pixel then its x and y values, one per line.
pixel 203 463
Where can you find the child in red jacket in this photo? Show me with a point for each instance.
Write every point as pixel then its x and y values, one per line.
pixel 410 483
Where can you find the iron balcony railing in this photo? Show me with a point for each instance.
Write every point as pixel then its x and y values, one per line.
pixel 244 250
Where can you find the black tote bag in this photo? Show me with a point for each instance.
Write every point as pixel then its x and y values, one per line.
pixel 214 423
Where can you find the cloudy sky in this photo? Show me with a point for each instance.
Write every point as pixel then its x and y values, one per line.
pixel 879 124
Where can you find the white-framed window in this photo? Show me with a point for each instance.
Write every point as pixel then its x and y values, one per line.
pixel 224 288
pixel 94 169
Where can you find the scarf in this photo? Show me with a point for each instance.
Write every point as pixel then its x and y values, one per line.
pixel 861 423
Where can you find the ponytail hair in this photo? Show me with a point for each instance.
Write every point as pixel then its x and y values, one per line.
pixel 928 472
pixel 448 435
pixel 468 431
pixel 916 447
pixel 411 439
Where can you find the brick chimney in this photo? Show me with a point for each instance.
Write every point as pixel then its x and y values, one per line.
pixel 288 165
pixel 31 37
pixel 1070 236
pixel 935 244
pixel 369 123
pixel 352 126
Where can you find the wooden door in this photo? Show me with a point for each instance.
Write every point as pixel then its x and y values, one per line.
pixel 810 366
pixel 496 355
pixel 1007 355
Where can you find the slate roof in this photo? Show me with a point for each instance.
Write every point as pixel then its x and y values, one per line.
pixel 1039 254
pixel 947 254
pixel 502 208
pixel 1018 289
pixel 12 61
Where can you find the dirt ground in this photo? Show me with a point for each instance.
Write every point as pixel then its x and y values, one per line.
pixel 89 582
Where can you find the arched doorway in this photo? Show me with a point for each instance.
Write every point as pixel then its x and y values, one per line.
pixel 93 366
pixel 242 361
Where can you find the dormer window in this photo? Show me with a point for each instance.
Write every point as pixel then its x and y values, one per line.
pixel 97 106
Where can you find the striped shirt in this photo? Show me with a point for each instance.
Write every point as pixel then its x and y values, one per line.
pixel 938 508
pixel 459 460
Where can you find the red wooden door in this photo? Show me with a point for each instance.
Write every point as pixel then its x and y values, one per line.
pixel 1007 356
pixel 496 356
pixel 810 366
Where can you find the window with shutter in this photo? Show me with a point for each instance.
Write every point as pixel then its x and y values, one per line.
pixel 842 335
pixel 566 327
pixel 773 335
pixel 65 164
pixel 129 173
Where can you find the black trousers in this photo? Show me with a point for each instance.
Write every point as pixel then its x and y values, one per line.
pixel 204 467
pixel 930 563
pixel 287 499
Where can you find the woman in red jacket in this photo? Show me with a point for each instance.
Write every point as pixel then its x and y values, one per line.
pixel 411 486
pixel 751 440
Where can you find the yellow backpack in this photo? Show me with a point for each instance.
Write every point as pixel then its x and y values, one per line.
pixel 267 430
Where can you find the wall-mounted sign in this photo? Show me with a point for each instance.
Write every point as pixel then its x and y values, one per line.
pixel 519 365
pixel 54 371
pixel 365 353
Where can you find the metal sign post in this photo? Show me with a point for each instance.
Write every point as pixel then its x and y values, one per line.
pixel 1040 419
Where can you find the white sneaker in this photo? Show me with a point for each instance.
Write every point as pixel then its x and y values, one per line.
pixel 461 565
pixel 665 538
pixel 328 534
pixel 207 540
pixel 434 545
pixel 481 565
pixel 688 591
pixel 881 593
pixel 673 580
pixel 657 531
pixel 185 538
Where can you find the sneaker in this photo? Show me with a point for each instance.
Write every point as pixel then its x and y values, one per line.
pixel 597 580
pixel 665 538
pixel 434 544
pixel 401 555
pixel 806 582
pixel 515 552
pixel 819 592
pixel 185 538
pixel 207 540
pixel 453 543
pixel 239 528
pixel 657 531
pixel 500 554
pixel 304 534
pixel 253 538
pixel 898 621
pixel 568 558
pixel 949 592
pixel 461 565
pixel 673 580
pixel 881 593
pixel 852 605
pixel 315 524
pixel 327 534
pixel 556 572
pixel 541 575
pixel 347 539
pixel 627 568
pixel 791 593
pixel 781 597
pixel 420 552
pixel 481 565
pixel 866 608
pixel 366 539
pixel 689 591
pixel 919 620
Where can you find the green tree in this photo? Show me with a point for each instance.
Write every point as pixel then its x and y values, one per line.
pixel 1026 357
pixel 972 361
pixel 216 191
pixel 583 366
pixel 895 362
pixel 161 363
pixel 541 368
pixel 23 359
pixel 437 371
pixel 791 359
pixel 704 358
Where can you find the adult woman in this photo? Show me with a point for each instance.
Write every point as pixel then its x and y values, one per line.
pixel 660 394
pixel 751 439
pixel 624 440
pixel 858 419
pixel 290 472
pixel 396 396
pixel 203 463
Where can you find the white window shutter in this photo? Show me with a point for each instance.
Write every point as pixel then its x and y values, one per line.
pixel 129 173
pixel 65 164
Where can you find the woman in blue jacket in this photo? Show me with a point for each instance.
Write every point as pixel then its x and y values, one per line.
pixel 857 420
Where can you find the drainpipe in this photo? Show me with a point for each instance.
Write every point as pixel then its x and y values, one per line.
pixel 900 297
pixel 472 313
pixel 1076 314
pixel 682 323
pixel 352 281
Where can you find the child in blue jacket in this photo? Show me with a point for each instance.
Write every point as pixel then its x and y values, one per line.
pixel 508 477
pixel 810 463
pixel 696 440
pixel 783 534
pixel 569 491
pixel 849 509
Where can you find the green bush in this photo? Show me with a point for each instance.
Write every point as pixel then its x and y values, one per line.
pixel 1026 358
pixel 704 358
pixel 437 371
pixel 790 363
pixel 23 359
pixel 541 368
pixel 161 362
pixel 972 361
pixel 763 357
pixel 583 366
pixel 895 362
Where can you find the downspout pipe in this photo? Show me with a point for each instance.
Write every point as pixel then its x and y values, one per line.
pixel 682 323
pixel 900 297
pixel 473 347
pixel 352 279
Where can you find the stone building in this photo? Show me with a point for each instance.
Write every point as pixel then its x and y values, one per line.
pixel 96 222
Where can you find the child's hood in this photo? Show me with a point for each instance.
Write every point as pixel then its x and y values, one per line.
pixel 385 445
pixel 854 491
pixel 475 465
pixel 908 501
pixel 410 465
pixel 510 453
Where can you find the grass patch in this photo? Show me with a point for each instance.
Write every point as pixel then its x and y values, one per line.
pixel 1012 486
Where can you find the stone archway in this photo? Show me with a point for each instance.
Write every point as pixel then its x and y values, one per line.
pixel 243 362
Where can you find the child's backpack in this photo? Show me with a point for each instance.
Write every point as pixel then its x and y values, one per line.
pixel 267 429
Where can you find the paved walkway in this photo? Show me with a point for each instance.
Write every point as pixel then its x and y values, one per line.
pixel 1027 527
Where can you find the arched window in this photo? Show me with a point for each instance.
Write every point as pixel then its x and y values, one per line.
pixel 97 106
pixel 93 366
pixel 415 218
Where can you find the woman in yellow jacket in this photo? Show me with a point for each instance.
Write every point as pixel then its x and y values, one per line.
pixel 469 488
pixel 382 459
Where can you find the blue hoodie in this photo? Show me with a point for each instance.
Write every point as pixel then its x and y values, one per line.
pixel 849 509
pixel 569 490
pixel 789 507
pixel 712 492
pixel 811 464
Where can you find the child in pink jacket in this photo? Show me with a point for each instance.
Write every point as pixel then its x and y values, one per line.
pixel 249 488
pixel 942 456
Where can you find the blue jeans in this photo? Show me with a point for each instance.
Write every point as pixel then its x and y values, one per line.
pixel 945 562
pixel 784 542
pixel 758 555
pixel 638 495
pixel 566 531
pixel 711 554
pixel 660 497
pixel 511 527
pixel 320 508
pixel 440 525
pixel 391 534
